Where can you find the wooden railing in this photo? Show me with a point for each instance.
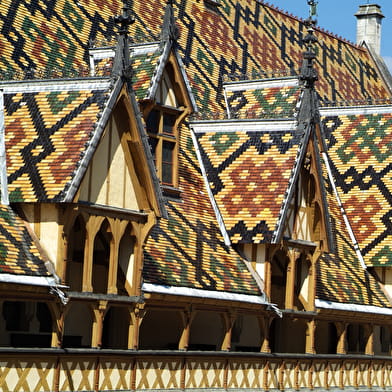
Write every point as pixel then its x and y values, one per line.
pixel 47 370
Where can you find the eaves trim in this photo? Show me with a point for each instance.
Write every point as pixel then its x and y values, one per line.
pixel 243 126
pixel 261 84
pixel 46 281
pixel 191 292
pixel 352 307
pixel 43 85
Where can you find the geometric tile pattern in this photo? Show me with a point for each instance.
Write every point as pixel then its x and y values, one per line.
pixel 143 66
pixel 249 174
pixel 18 252
pixel 360 148
pixel 340 276
pixel 188 249
pixel 241 36
pixel 46 135
pixel 273 102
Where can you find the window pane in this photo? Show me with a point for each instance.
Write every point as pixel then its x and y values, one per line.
pixel 167 162
pixel 168 123
pixel 152 122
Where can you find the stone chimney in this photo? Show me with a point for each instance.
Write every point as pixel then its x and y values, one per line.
pixel 369 17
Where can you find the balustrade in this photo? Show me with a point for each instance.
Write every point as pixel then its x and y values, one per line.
pixel 108 370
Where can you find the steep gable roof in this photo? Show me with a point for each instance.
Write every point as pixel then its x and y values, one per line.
pixel 341 276
pixel 249 166
pixel 47 129
pixel 359 145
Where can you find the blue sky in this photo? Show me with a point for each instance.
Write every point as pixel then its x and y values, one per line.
pixel 338 17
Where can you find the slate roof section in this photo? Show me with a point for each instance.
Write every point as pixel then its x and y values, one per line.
pixel 18 253
pixel 263 99
pixel 46 134
pixel 340 277
pixel 360 146
pixel 249 174
pixel 188 249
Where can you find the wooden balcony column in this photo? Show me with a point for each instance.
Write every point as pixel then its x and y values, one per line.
pixel 92 227
pixel 139 231
pixel 228 323
pixel 341 329
pixel 137 315
pixel 67 221
pixel 117 228
pixel 99 311
pixel 310 337
pixel 265 323
pixel 290 278
pixel 369 337
pixel 269 255
pixel 312 280
pixel 187 317
pixel 57 313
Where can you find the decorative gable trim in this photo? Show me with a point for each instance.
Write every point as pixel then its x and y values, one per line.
pixel 291 187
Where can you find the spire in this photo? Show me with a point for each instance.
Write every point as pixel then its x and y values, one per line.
pixel 122 63
pixel 169 30
pixel 308 74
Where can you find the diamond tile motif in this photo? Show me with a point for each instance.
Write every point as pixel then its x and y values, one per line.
pixel 188 249
pixel 46 134
pixel 361 154
pixel 249 175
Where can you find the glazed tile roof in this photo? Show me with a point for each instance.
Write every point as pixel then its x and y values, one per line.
pixel 46 134
pixel 341 277
pixel 271 99
pixel 188 249
pixel 249 173
pixel 360 147
pixel 145 60
pixel 144 66
pixel 18 252
pixel 243 36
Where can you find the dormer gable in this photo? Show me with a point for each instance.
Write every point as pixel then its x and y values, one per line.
pixel 306 220
pixel 118 174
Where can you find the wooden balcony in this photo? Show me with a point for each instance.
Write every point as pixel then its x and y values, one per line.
pixel 44 370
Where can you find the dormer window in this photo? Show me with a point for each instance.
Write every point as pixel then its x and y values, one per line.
pixel 161 125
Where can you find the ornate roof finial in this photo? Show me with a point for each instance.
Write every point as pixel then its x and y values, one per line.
pixel 122 63
pixel 124 20
pixel 308 73
pixel 169 30
pixel 312 10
